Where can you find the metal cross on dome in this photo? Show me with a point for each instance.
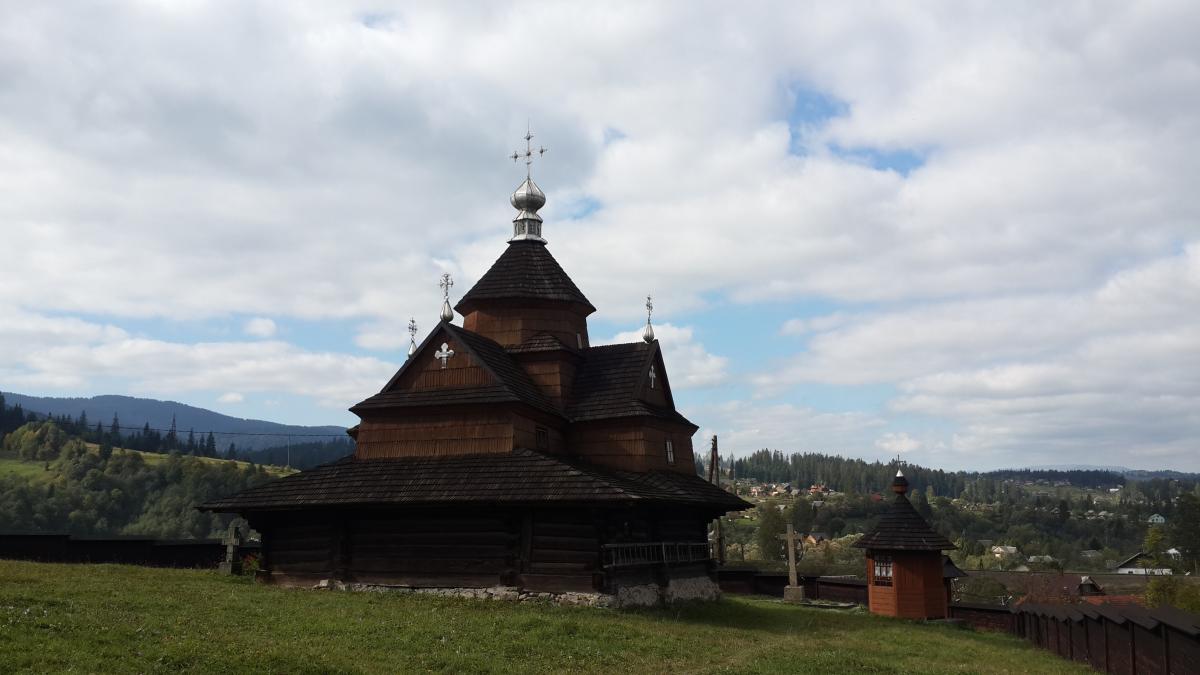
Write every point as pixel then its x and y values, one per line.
pixel 446 284
pixel 412 336
pixel 444 354
pixel 528 151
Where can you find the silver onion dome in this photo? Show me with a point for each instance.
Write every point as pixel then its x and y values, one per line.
pixel 648 333
pixel 527 199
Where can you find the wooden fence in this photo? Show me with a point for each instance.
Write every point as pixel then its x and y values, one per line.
pixel 123 550
pixel 1125 640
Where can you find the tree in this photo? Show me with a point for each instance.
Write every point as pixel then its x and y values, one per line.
pixel 1184 530
pixel 1155 548
pixel 770 525
pixel 210 446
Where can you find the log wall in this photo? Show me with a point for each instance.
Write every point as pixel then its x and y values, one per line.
pixel 632 445
pixel 511 326
pixel 435 435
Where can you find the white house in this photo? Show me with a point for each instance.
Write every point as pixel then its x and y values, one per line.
pixel 1132 565
pixel 1004 551
pixel 1156 519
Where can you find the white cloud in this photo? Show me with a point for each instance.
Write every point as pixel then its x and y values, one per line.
pixel 1032 283
pixel 231 397
pixel 894 443
pixel 260 327
pixel 688 364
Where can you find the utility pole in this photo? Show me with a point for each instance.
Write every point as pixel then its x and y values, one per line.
pixel 714 477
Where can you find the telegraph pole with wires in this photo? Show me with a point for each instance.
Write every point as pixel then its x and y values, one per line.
pixel 714 477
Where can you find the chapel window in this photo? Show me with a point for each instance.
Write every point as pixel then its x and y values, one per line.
pixel 670 452
pixel 883 570
pixel 543 438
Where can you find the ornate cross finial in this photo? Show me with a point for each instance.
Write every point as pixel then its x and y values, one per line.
pixel 446 284
pixel 412 337
pixel 653 376
pixel 528 151
pixel 648 331
pixel 444 354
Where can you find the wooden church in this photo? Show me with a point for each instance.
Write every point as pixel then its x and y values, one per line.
pixel 906 571
pixel 506 452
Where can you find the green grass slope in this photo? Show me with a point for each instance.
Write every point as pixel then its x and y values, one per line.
pixel 111 618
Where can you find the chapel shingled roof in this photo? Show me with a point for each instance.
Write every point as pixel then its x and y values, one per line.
pixel 902 528
pixel 607 382
pixel 522 476
pixel 512 386
pixel 525 270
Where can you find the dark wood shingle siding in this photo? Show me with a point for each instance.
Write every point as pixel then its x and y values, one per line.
pixel 903 529
pixel 522 476
pixel 525 270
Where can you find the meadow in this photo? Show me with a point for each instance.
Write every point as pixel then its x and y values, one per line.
pixel 117 619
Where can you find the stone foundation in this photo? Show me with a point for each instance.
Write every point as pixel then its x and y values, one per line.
pixel 640 595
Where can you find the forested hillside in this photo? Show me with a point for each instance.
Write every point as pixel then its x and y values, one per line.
pixel 136 413
pixel 55 482
pixel 299 451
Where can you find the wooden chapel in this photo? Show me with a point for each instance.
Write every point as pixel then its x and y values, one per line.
pixel 506 452
pixel 906 574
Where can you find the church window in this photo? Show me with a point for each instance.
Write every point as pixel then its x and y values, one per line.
pixel 670 452
pixel 543 438
pixel 883 570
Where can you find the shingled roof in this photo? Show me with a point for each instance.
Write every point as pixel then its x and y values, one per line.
pixel 525 270
pixel 902 528
pixel 512 382
pixel 607 383
pixel 520 477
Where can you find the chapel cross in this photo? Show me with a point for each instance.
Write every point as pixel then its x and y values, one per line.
pixel 446 284
pixel 444 354
pixel 652 376
pixel 791 540
pixel 528 151
pixel 412 336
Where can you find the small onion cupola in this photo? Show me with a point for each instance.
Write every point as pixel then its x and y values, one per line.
pixel 528 198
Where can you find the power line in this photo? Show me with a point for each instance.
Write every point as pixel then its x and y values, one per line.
pixel 229 433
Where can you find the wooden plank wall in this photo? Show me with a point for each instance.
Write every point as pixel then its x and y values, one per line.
pixel 632 445
pixel 436 435
pixel 525 435
pixel 511 326
pixel 461 371
pixel 553 376
pixel 299 547
pixel 468 549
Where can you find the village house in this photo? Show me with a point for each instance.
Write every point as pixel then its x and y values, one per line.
pixel 506 452
pixel 1004 551
pixel 1139 563
pixel 1156 519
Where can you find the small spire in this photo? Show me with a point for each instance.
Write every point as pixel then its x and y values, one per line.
pixel 528 197
pixel 412 337
pixel 648 331
pixel 446 284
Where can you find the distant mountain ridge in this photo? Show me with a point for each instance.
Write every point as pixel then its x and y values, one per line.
pixel 137 412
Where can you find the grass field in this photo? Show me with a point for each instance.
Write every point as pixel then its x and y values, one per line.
pixel 111 618
pixel 12 466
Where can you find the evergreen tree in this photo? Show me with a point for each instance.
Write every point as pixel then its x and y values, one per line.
pixel 210 446
pixel 115 428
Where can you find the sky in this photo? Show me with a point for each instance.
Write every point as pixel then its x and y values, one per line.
pixel 964 233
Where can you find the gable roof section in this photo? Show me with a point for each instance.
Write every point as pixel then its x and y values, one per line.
pixel 609 380
pixel 512 383
pixel 523 476
pixel 903 529
pixel 525 270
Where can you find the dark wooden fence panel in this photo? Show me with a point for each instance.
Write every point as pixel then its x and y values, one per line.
pixel 121 550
